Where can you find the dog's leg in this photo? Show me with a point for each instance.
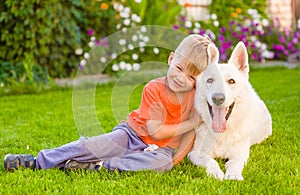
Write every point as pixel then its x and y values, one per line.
pixel 235 164
pixel 204 160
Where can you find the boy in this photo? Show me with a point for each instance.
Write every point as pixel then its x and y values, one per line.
pixel 163 123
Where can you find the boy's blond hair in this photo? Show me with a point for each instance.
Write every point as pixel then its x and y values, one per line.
pixel 194 49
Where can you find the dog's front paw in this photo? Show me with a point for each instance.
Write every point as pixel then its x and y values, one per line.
pixel 215 172
pixel 233 176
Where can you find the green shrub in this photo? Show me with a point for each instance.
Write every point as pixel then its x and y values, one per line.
pixel 38 38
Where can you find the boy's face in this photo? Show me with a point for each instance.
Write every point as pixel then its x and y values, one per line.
pixel 178 77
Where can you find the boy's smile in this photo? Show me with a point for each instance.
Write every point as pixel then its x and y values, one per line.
pixel 179 79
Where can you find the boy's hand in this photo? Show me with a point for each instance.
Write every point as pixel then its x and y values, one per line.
pixel 195 118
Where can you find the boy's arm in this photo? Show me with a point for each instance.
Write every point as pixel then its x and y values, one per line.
pixel 158 130
pixel 185 146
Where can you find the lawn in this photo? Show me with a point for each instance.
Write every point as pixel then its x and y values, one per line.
pixel 33 122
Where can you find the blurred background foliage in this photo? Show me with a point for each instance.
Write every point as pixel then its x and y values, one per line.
pixel 39 38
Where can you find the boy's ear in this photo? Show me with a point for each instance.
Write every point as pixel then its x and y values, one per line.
pixel 170 59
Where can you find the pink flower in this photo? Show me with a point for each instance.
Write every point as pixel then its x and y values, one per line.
pixel 90 32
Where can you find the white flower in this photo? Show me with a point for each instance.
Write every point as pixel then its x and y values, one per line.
pixel 196 30
pixel 127 10
pixel 103 59
pixel 136 66
pixel 135 56
pixel 122 65
pixel 114 56
pixel 122 41
pixel 143 29
pixel 142 50
pixel 216 23
pixel 125 13
pixel 214 16
pixel 118 26
pixel 78 51
pixel 126 22
pixel 118 6
pixel 264 46
pixel 124 29
pixel 188 24
pixel 265 22
pixel 256 21
pixel 142 44
pixel 268 54
pixel 91 44
pixel 136 18
pixel 253 38
pixel 83 62
pixel 197 25
pixel 115 67
pixel 128 67
pixel 146 39
pixel 130 47
pixel 93 38
pixel 260 28
pixel 134 38
pixel 156 50
pixel 138 1
pixel 1 84
pixel 258 44
pixel 86 55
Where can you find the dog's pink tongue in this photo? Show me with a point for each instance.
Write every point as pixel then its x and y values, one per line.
pixel 219 121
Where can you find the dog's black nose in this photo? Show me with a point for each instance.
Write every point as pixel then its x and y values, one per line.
pixel 218 98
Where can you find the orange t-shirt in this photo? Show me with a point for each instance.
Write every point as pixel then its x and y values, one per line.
pixel 155 105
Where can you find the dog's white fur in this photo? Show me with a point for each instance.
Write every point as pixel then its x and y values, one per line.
pixel 249 123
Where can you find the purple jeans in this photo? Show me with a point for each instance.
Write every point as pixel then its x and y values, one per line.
pixel 120 149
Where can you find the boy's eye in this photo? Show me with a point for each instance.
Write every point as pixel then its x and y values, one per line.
pixel 179 68
pixel 192 78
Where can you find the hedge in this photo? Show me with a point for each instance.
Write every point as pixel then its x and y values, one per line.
pixel 38 38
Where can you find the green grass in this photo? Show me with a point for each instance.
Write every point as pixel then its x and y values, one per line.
pixel 29 123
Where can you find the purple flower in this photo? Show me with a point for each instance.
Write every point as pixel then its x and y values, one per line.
pixel 282 40
pixel 90 32
pixel 295 40
pixel 182 18
pixel 242 37
pixel 290 46
pixel 245 29
pixel 223 56
pixel 80 67
pixel 175 27
pixel 254 56
pixel 234 34
pixel 287 32
pixel 223 30
pixel 201 32
pixel 221 38
pixel 97 43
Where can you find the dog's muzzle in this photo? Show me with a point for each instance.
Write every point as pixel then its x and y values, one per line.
pixel 228 110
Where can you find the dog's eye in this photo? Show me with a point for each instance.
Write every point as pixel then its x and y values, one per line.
pixel 231 81
pixel 210 80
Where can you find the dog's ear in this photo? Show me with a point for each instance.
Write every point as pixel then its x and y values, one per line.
pixel 239 57
pixel 213 54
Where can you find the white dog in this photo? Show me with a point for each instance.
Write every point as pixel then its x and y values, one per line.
pixel 234 116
